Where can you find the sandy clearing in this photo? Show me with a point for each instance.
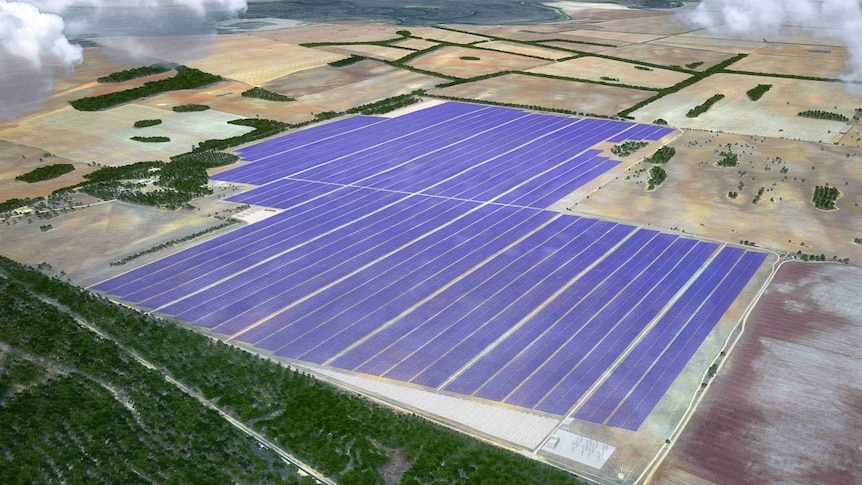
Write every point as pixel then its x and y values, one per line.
pixel 695 198
pixel 374 51
pixel 448 60
pixel 774 115
pixel 525 49
pixel 596 68
pixel 550 93
pixel 103 136
pixel 668 56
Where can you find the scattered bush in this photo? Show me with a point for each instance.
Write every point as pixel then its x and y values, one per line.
pixel 46 173
pixel 128 74
pixel 728 158
pixel 146 123
pixel 703 108
pixel 151 139
pixel 758 91
pixel 265 94
pixel 186 108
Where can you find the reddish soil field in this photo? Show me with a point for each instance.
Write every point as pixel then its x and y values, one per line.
pixel 787 406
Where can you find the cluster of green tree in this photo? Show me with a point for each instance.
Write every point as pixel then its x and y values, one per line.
pixel 187 108
pixel 47 172
pixel 657 175
pixel 12 204
pixel 627 148
pixel 151 139
pixel 265 94
pixel 147 123
pixel 825 197
pixel 134 73
pixel 857 240
pixel 177 182
pixel 823 115
pixel 46 227
pixel 810 257
pixel 662 155
pixel 758 91
pixel 695 77
pixel 349 438
pixel 733 194
pixel 186 78
pixel 659 121
pixel 757 197
pixel 262 129
pixel 746 242
pixel 704 107
pixel 172 242
pixel 76 408
pixel 387 105
pixel 728 159
pixel 694 65
pixel 353 59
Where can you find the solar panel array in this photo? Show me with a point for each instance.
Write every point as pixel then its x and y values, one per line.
pixel 417 248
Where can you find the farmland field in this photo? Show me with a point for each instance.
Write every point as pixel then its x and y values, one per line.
pixel 419 249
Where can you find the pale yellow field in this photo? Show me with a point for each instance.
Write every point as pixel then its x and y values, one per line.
pixel 551 93
pixel 369 90
pixel 595 68
pixel 433 33
pixel 374 51
pixel 528 50
pixel 774 115
pixel 333 32
pixel 327 77
pixel 710 44
pixel 612 37
pixel 827 62
pixel 660 23
pixel 103 136
pixel 415 44
pixel 447 60
pixel 668 56
pixel 256 60
pixel 594 49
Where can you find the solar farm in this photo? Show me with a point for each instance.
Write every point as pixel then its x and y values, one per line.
pixel 420 249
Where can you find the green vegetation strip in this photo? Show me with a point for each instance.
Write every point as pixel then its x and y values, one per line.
pixel 697 76
pixel 348 438
pixel 186 78
pixel 173 242
pixel 147 123
pixel 353 59
pixel 265 94
pixel 46 173
pixel 262 129
pixel 188 108
pixel 823 115
pixel 77 408
pixel 387 105
pixel 758 91
pixel 151 139
pixel 134 73
pixel 703 108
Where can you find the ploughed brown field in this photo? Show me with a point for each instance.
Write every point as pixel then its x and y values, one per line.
pixel 787 406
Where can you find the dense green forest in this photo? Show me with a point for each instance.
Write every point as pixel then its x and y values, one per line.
pixel 186 78
pixel 47 172
pixel 265 94
pixel 347 437
pixel 76 408
pixel 128 74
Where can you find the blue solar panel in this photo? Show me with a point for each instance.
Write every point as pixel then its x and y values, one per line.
pixel 417 248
